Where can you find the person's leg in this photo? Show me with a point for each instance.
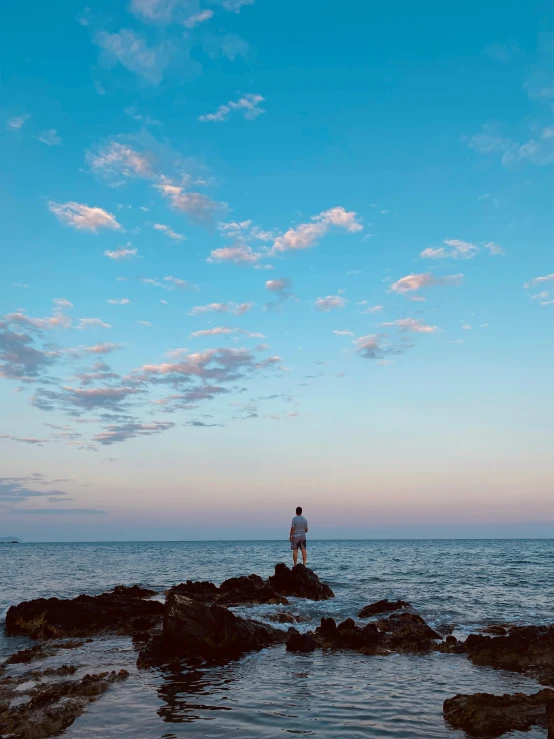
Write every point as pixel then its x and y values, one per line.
pixel 304 555
pixel 295 555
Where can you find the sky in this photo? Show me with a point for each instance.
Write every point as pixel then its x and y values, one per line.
pixel 261 254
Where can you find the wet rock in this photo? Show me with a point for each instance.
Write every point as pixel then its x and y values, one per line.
pixel 248 589
pixel 301 642
pixel 383 606
pixel 486 715
pixel 53 707
pixel 46 618
pixel 300 582
pixel 194 629
pixel 134 591
pixel 496 630
pixel 445 629
pixel 451 645
pixel 407 632
pixel 206 592
pixel 525 649
pixel 347 635
pixel 286 617
pixel 43 650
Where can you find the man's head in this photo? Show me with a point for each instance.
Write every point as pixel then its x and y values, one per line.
pixel 299 511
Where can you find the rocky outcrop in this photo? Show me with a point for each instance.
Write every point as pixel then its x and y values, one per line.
pixel 119 611
pixel 486 715
pixel 297 642
pixel 52 707
pixel 527 649
pixel 286 617
pixel 193 629
pixel 300 582
pixel 407 632
pixel 383 606
pixel 248 589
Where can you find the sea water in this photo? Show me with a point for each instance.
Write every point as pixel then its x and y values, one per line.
pixel 466 584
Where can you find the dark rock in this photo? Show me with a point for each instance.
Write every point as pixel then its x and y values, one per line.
pixel 53 707
pixel 407 632
pixel 525 649
pixel 134 591
pixel 300 582
pixel 347 635
pixel 46 618
pixel 248 589
pixel 43 650
pixel 285 617
pixel 206 592
pixel 301 642
pixel 486 715
pixel 496 630
pixel 383 606
pixel 445 629
pixel 194 629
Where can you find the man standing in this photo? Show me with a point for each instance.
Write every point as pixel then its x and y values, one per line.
pixel 298 531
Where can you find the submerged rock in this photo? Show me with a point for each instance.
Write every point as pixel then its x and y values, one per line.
pixel 43 650
pixel 486 715
pixel 193 629
pixel 383 606
pixel 52 707
pixel 525 649
pixel 300 582
pixel 118 611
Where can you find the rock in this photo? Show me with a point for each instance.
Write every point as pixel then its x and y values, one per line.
pixel 300 582
pixel 347 635
pixel 525 649
pixel 486 715
pixel 495 629
pixel 383 606
pixel 248 589
pixel 407 632
pixel 53 707
pixel 46 618
pixel 285 617
pixel 445 629
pixel 301 642
pixel 134 591
pixel 207 592
pixel 193 629
pixel 43 650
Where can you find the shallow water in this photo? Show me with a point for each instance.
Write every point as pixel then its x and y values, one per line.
pixel 466 583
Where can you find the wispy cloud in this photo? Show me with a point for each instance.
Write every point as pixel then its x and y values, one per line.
pixel 200 209
pixel 224 330
pixel 416 325
pixel 16 122
pixel 91 322
pixel 131 50
pixel 307 234
pixel 248 105
pixel 121 253
pixel 330 302
pixel 168 232
pixel 453 249
pixel 239 254
pixel 236 308
pixel 118 301
pixel 84 218
pixel 343 333
pixel 539 281
pixel 194 20
pixel 115 160
pixel 50 137
pixel 413 282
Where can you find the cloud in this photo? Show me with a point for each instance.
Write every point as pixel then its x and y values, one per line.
pixel 539 281
pixel 168 232
pixel 19 358
pixel 132 51
pixel 223 330
pixel 58 319
pixel 122 432
pixel 199 208
pixel 416 325
pixel 248 104
pixel 194 20
pixel 50 137
pixel 82 217
pixel 77 399
pixel 234 6
pixel 343 333
pixel 62 303
pixel 17 490
pixel 118 301
pixel 373 309
pixel 494 249
pixel 122 253
pixel 89 322
pixel 456 250
pixel 24 439
pixel 179 284
pixel 330 302
pixel 240 254
pixel 538 152
pixel 17 122
pixel 235 308
pixel 369 347
pixel 115 160
pixel 307 234
pixel 413 282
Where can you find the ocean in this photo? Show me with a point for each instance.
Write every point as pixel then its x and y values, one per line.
pixel 467 583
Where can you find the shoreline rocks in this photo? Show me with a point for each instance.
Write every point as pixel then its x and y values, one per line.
pixel 300 582
pixel 121 611
pixel 193 629
pixel 486 715
pixel 383 606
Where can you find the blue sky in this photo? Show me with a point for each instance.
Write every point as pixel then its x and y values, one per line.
pixel 256 254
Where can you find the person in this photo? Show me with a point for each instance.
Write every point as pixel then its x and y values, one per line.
pixel 297 538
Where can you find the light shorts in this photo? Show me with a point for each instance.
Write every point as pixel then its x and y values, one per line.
pixel 298 541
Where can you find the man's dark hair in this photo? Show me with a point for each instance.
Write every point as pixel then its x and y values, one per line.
pixel 299 511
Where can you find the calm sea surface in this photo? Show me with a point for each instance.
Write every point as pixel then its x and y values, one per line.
pixel 273 693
